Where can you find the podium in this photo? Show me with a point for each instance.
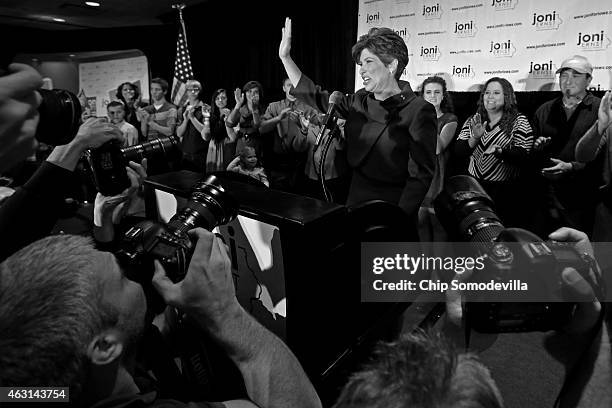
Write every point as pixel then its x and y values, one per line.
pixel 296 267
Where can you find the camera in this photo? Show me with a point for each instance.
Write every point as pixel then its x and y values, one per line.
pixel 108 162
pixel 60 116
pixel 209 205
pixel 466 212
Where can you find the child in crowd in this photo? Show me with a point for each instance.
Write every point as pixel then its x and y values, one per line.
pixel 246 163
pixel 116 114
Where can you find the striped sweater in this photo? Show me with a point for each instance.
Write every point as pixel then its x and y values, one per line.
pixel 493 167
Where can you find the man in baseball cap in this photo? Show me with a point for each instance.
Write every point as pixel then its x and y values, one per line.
pixel 558 125
pixel 578 63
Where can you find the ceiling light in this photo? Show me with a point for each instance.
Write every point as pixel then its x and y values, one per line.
pixel 92 3
pixel 59 20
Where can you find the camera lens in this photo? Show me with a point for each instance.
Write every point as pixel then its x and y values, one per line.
pixel 209 205
pixel 463 206
pixel 60 115
pixel 157 147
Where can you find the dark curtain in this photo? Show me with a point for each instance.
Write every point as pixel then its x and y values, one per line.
pixel 230 43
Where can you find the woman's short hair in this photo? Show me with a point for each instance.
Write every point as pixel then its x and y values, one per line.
pixel 447 104
pixel 386 44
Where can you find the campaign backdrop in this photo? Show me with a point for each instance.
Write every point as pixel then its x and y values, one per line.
pixel 468 41
pixel 98 81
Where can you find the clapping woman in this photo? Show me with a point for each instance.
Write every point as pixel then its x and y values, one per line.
pixel 497 139
pixel 220 134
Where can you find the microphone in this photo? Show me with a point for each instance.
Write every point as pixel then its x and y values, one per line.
pixel 334 98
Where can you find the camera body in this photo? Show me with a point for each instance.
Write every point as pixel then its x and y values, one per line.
pixel 517 254
pixel 151 240
pixel 466 212
pixel 209 206
pixel 108 162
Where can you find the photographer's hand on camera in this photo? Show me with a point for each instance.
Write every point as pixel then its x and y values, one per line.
pixel 271 373
pixel 588 307
pixel 94 132
pixel 18 114
pixel 207 291
pixel 587 353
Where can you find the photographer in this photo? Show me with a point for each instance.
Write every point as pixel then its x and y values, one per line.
pixel 30 213
pixel 79 320
pixel 580 349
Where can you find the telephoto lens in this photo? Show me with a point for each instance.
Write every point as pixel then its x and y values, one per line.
pixel 157 147
pixel 209 206
pixel 60 116
pixel 466 211
pixel 108 162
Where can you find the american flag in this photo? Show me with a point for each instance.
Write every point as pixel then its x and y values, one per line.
pixel 182 67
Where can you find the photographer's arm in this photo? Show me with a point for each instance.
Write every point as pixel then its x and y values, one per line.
pixel 586 339
pixel 23 220
pixel 272 375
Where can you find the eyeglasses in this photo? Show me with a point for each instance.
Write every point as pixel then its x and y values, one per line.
pixel 193 89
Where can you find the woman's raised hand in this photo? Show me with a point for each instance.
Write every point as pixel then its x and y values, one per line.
pixel 284 49
pixel 239 97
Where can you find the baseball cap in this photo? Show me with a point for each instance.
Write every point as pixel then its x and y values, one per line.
pixel 578 63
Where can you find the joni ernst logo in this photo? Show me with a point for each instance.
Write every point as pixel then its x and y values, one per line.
pixel 465 29
pixel 542 70
pixel 502 49
pixel 500 5
pixel 548 21
pixel 463 71
pixel 432 11
pixel 373 18
pixel 593 41
pixel 430 53
pixel 403 32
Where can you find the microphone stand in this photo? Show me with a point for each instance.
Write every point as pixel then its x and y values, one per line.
pixel 333 133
